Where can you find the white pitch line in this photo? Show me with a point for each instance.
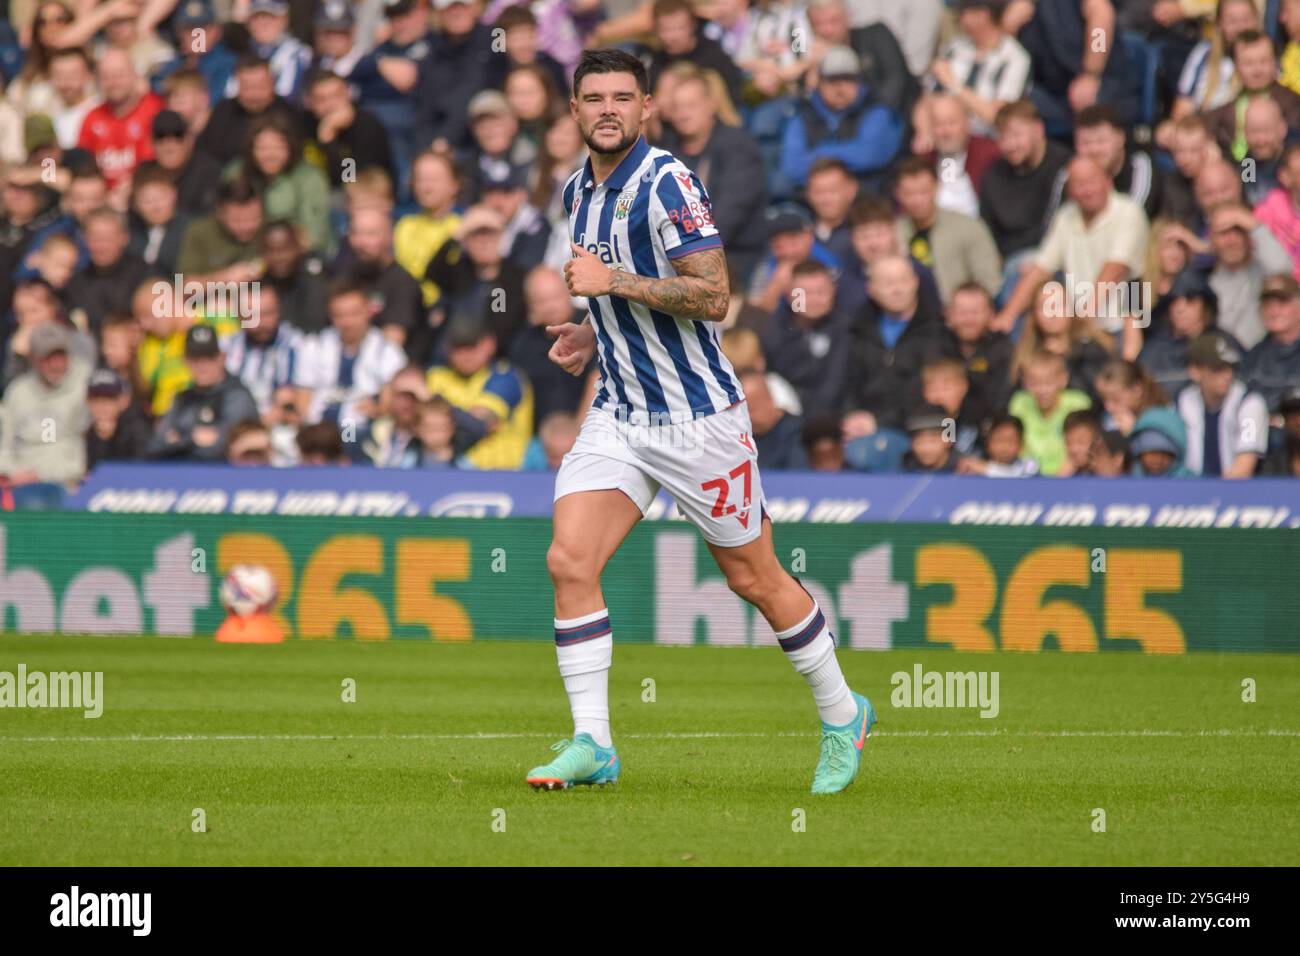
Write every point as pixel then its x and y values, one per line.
pixel 702 735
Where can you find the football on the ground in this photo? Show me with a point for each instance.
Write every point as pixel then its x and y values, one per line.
pixel 248 589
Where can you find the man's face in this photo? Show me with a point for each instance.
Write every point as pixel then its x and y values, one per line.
pixel 817 292
pixel 494 132
pixel 105 241
pixel 328 96
pixel 829 23
pixel 1217 184
pixel 191 101
pixel 676 33
pixel 875 240
pixel 1089 187
pixel 1191 150
pixel 256 89
pixel 1256 65
pixel 1019 139
pixel 791 246
pixel 1281 317
pixel 831 193
pixel 483 246
pixel 282 252
pixel 1230 244
pixel 156 203
pixel 610 111
pixel 432 184
pixel 241 220
pixel 207 370
pixel 916 195
pixel 371 237
pixel 507 202
pixel 171 152
pixel 53 368
pixel 333 43
pixel 894 285
pixel 469 359
pixel 458 19
pixel 548 299
pixel 692 112
pixel 350 316
pixel 1103 144
pixel 267 28
pixel 69 77
pixel 1213 380
pixel 945 389
pixel 19 201
pixel 1265 129
pixel 267 321
pixel 838 93
pixel 117 79
pixel 949 126
pixel 969 316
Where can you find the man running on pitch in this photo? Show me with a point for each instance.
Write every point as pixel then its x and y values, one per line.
pixel 669 412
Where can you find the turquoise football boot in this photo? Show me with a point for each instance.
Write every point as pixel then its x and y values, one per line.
pixel 842 750
pixel 580 761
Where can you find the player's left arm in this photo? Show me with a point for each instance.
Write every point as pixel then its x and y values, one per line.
pixel 700 290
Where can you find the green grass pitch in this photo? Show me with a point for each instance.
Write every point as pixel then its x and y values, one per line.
pixel 433 753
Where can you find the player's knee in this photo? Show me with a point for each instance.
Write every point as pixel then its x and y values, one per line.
pixel 745 582
pixel 568 565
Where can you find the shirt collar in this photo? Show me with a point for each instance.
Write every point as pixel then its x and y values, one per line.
pixel 619 177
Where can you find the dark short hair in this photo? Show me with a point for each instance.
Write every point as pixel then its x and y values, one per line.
pixel 1005 421
pixel 916 166
pixel 871 209
pixel 1099 114
pixel 237 191
pixel 251 61
pixel 323 438
pixel 347 285
pixel 610 61
pixel 1249 38
pixel 829 164
pixel 1082 418
pixel 316 76
pixel 811 267
pixel 515 16
pixel 972 287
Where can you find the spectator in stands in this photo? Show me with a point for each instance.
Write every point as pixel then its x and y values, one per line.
pixel 291 188
pixel 957 247
pixel 744 350
pixel 1284 459
pixel 1244 253
pixel 489 389
pixel 554 390
pixel 984 353
pixel 464 61
pixel 109 280
pixel 118 429
pixel 224 247
pixel 1042 404
pixel 885 71
pixel 1004 444
pixel 1082 433
pixel 526 233
pixel 791 240
pixel 29 209
pixel 534 99
pixel 297 278
pixel 34 305
pixel 195 175
pixel 982 68
pixel 263 353
pixel 875 235
pixel 521 36
pixel 679 37
pixel 555 437
pixel 1192 149
pixel 776 431
pixel 1157 445
pixel 944 383
pixel 960 158
pixel 476 280
pixel 1100 135
pixel 1169 254
pixel 342 370
pixel 728 162
pixel 31 90
pixel 808 341
pixel 1186 313
pixel 1256 71
pixel 1126 391
pixel 823 445
pixel 226 131
pixel 157 226
pixel 321 445
pixel 1099 238
pixel 286 55
pixel 893 337
pixel 72 78
pixel 1280 209
pixel 418 236
pixel 1054 325
pixel 1077 61
pixel 832 189
pixel 346 139
pixel 1109 457
pixel 333 41
pixel 200 48
pixel 1266 135
pixel 248 443
pixel 187 96
pixel 1273 364
pixel 932 449
pixel 370 241
pixel 1227 424
pixel 165 322
pixel 390 439
pixel 116 132
pixel 55 261
pixel 44 414
pixel 840 120
pixel 436 432
pixel 120 338
pixel 1206 80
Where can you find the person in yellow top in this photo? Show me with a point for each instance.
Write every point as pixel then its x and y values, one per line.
pixel 419 236
pixel 493 399
pixel 1289 20
pixel 161 356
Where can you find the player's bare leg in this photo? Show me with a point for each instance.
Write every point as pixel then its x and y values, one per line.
pixel 753 572
pixel 588 528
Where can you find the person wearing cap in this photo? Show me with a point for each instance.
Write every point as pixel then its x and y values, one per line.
pixel 527 233
pixel 1245 252
pixel 116 132
pixel 932 449
pixel 342 370
pixel 498 149
pixel 475 278
pixel 1157 445
pixel 791 239
pixel 199 46
pixel 1273 365
pixel 840 120
pixel 1184 313
pixel 488 389
pixel 288 57
pixel 44 414
pixel 35 303
pixel 1226 422
pixel 1284 459
pixel 334 49
pixel 195 426
pixel 119 430
pixel 196 174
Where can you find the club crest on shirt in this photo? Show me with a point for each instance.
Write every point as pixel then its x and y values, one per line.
pixel 624 204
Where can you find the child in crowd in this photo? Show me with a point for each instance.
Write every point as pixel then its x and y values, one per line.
pixel 1042 406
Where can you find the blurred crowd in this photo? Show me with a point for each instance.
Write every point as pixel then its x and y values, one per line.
pixel 983 237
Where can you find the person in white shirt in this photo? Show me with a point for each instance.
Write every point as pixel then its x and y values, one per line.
pixel 1227 423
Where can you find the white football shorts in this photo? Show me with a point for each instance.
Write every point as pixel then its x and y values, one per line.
pixel 709 465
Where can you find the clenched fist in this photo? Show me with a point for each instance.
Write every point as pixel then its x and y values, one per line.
pixel 585 273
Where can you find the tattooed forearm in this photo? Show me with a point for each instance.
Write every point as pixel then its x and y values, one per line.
pixel 699 290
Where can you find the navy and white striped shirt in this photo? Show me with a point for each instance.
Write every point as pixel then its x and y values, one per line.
pixel 654 367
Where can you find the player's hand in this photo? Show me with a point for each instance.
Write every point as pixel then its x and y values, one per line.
pixel 585 273
pixel 574 346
